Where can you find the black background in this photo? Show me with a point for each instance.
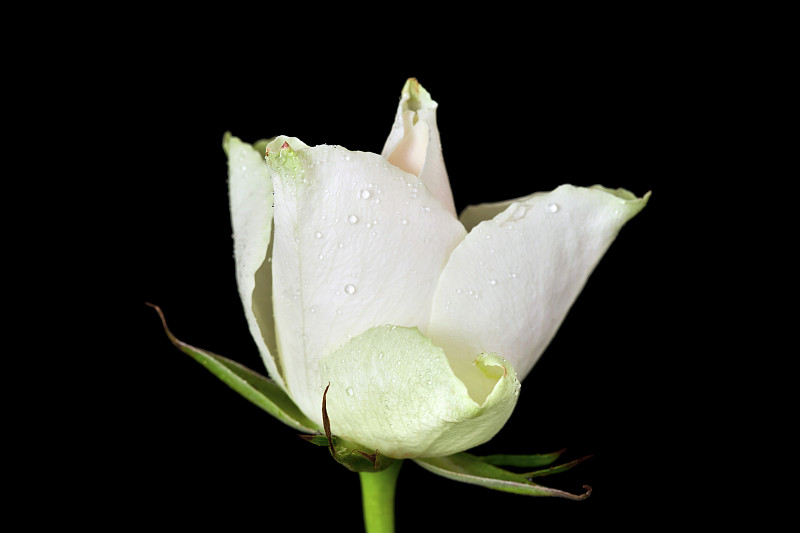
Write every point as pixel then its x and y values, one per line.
pixel 514 118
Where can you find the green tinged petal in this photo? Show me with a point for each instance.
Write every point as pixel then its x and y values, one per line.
pixel 391 389
pixel 284 158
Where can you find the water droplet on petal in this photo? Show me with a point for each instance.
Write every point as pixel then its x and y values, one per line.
pixel 352 219
pixel 492 282
pixel 365 194
pixel 403 221
pixel 349 391
pixel 552 208
pixel 350 288
pixel 318 235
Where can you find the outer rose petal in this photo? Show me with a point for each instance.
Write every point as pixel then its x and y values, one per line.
pixel 250 192
pixel 414 145
pixel 357 243
pixel 392 390
pixel 509 285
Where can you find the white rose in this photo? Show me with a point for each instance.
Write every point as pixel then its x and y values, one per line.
pixel 355 272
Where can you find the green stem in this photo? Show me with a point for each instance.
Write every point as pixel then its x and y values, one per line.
pixel 377 498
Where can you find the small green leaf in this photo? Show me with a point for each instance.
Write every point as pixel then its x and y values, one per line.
pixel 467 468
pixel 260 390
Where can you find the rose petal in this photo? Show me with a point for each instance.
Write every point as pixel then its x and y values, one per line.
pixel 414 144
pixel 357 243
pixel 392 390
pixel 250 192
pixel 509 285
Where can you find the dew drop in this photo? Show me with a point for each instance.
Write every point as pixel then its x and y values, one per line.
pixel 492 282
pixel 318 235
pixel 520 212
pixel 365 194
pixel 349 391
pixel 552 208
pixel 403 221
pixel 350 288
pixel 352 219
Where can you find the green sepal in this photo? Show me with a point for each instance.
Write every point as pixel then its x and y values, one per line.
pixel 468 468
pixel 351 456
pixel 555 469
pixel 260 390
pixel 319 440
pixel 522 461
